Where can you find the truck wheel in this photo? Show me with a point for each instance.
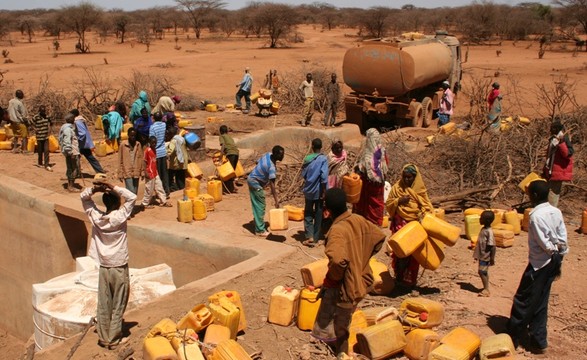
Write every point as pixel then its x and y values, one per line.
pixel 418 114
pixel 427 109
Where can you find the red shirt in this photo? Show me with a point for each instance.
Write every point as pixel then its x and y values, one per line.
pixel 491 97
pixel 150 163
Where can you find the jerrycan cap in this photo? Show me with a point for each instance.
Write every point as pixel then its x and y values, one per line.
pixel 311 287
pixel 424 316
pixel 228 295
pixel 287 288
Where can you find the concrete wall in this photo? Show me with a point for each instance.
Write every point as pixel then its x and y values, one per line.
pixel 292 136
pixel 42 232
pixel 33 248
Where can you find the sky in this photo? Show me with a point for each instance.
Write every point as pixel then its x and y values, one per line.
pixel 237 4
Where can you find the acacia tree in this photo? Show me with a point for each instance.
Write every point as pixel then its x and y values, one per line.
pixel 51 24
pixel 577 9
pixel 121 21
pixel 198 10
pixel 277 20
pixel 374 21
pixel 80 19
pixel 28 24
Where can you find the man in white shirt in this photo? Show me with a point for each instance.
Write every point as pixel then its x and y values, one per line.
pixel 307 87
pixel 547 244
pixel 109 247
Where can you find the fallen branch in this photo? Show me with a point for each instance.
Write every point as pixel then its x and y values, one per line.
pixel 460 195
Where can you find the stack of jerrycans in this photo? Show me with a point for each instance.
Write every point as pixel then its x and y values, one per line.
pixel 418 316
pixel 225 312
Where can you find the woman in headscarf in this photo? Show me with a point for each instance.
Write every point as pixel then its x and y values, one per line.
pixel 138 105
pixel 337 165
pixel 408 201
pixel 372 167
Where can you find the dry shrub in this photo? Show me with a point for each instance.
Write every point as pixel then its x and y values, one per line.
pixel 292 98
pixel 95 92
pixel 289 180
pixel 481 159
pixel 189 102
pixel 56 102
pixel 156 84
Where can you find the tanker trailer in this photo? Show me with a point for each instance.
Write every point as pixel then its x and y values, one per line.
pixel 398 83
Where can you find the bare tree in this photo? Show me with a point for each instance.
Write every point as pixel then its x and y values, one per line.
pixel 121 22
pixel 5 22
pixel 228 22
pixel 375 22
pixel 28 24
pixel 329 15
pixel 477 21
pixel 198 10
pixel 80 19
pixel 277 20
pixel 576 9
pixel 557 96
pixel 51 24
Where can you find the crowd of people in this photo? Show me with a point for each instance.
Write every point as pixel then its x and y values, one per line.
pixel 352 238
pixel 154 151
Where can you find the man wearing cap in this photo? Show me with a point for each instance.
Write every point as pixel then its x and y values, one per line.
pixel 446 104
pixel 166 104
pixel 493 94
pixel 244 89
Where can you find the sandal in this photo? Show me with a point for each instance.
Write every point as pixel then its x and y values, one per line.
pixel 148 207
pixel 166 205
pixel 308 243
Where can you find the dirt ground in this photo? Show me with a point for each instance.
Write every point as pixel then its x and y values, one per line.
pixel 210 68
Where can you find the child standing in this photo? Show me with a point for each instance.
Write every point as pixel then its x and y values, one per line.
pixel 42 125
pixel 229 149
pixel 177 153
pixel 485 249
pixel 70 149
pixel 131 164
pixel 153 185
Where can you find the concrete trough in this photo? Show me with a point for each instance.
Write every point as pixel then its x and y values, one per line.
pixel 42 233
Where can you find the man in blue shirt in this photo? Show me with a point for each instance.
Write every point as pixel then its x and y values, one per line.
pixel 158 130
pixel 315 174
pixel 244 89
pixel 264 173
pixel 86 144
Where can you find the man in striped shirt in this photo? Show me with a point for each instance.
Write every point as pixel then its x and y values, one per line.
pixel 42 124
pixel 264 173
pixel 158 130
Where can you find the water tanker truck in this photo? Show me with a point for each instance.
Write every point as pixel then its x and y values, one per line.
pixel 398 82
